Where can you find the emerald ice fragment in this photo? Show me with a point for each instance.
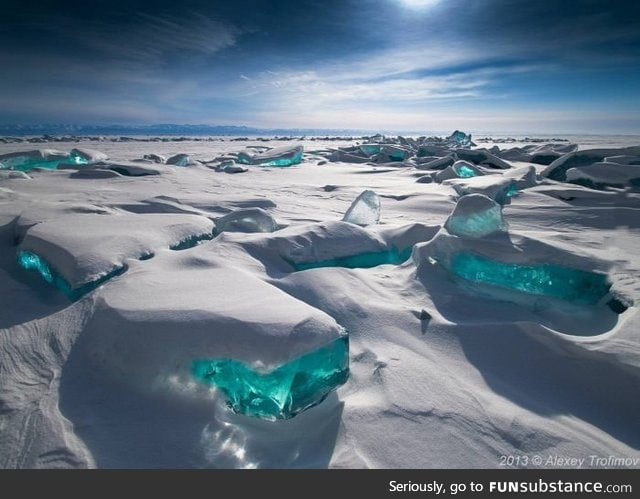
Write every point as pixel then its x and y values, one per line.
pixel 464 171
pixel 281 392
pixel 573 285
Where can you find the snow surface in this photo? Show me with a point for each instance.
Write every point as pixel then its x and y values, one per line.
pixel 443 373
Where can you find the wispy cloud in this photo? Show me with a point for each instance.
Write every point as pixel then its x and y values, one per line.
pixel 395 78
pixel 151 39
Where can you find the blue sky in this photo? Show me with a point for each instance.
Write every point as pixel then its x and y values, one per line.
pixel 422 65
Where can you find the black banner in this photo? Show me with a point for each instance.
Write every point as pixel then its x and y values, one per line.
pixel 327 483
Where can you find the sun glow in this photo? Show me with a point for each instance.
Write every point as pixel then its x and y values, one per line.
pixel 418 4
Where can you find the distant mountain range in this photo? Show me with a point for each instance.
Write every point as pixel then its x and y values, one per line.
pixel 164 129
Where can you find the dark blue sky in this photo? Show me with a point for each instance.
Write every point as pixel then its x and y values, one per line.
pixel 494 65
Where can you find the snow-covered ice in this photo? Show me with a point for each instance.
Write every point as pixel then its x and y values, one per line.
pixel 161 316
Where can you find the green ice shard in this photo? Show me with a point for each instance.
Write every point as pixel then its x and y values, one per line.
pixel 283 392
pixel 573 285
pixel 464 171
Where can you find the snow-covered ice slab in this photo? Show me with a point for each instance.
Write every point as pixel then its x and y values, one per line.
pixel 482 157
pixel 330 244
pixel 82 249
pixel 271 355
pixel 180 159
pixel 557 169
pixel 496 187
pixel 504 267
pixel 524 177
pixel 437 164
pixel 129 169
pixel 277 156
pixel 605 174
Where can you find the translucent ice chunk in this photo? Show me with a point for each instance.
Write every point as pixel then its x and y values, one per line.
pixel 475 215
pixel 577 286
pixel 27 160
pixel 179 160
pixel 370 149
pixel 365 210
pixel 278 156
pixel 30 261
pixel 464 171
pixel 460 138
pixel 85 156
pixel 460 169
pixel 246 220
pixel 395 153
pixel 282 392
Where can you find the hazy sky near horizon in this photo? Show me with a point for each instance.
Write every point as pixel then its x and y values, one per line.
pixel 495 65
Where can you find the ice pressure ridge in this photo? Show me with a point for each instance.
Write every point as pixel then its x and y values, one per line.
pixel 281 392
